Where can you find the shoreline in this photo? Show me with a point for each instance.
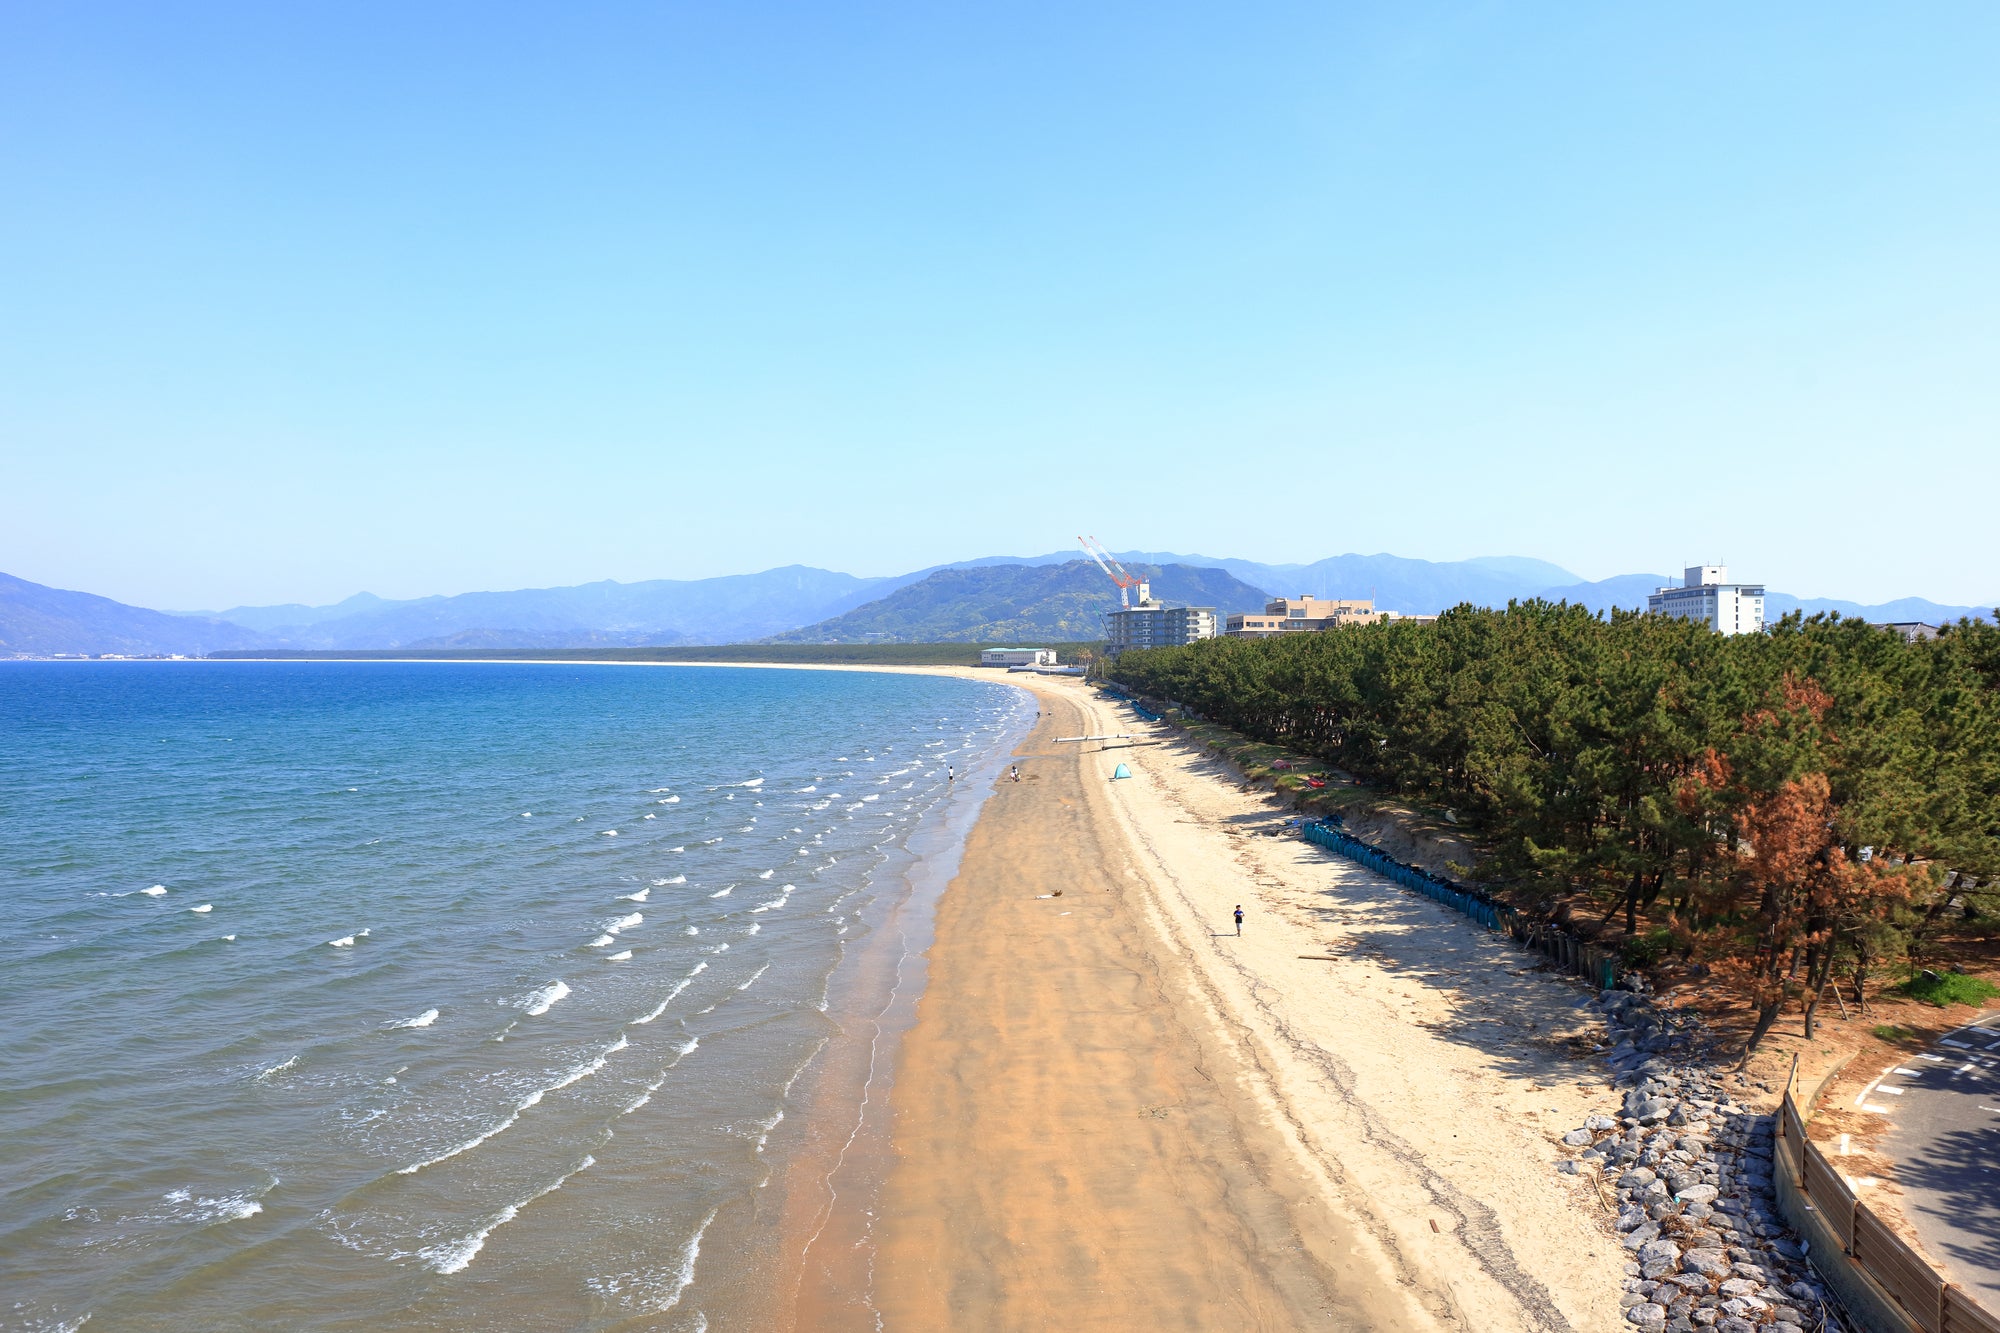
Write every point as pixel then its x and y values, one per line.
pixel 1110 1111
pixel 837 1140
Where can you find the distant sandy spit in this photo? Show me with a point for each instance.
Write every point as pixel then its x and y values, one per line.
pixel 1113 1112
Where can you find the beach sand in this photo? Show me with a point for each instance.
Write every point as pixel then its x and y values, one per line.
pixel 1111 1110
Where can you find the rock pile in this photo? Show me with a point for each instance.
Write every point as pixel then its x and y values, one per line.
pixel 1691 1169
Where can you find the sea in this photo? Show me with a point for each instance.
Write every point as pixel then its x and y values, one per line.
pixel 428 995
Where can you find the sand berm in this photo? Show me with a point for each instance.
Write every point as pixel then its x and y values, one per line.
pixel 1112 1111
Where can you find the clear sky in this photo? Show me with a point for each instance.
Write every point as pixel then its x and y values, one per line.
pixel 308 298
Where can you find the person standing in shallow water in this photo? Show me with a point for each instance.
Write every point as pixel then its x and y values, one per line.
pixel 1239 918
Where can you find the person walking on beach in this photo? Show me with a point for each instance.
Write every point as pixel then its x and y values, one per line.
pixel 950 773
pixel 1239 918
pixel 1017 772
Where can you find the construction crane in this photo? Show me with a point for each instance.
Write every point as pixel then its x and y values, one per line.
pixel 1116 572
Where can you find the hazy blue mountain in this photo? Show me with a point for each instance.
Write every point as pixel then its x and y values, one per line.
pixel 736 608
pixel 38 620
pixel 1019 603
pixel 1395 583
pixel 269 618
pixel 1628 591
pixel 1903 608
pixel 995 597
pixel 1524 568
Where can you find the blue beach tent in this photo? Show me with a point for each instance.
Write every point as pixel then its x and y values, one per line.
pixel 1120 772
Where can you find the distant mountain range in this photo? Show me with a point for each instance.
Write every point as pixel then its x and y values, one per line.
pixel 990 599
pixel 1019 604
pixel 36 621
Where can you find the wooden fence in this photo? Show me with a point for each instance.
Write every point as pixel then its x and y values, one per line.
pixel 1895 1269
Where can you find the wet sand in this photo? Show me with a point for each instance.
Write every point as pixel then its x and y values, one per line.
pixel 1070 1145
pixel 1111 1110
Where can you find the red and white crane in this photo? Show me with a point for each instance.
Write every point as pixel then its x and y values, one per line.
pixel 1116 572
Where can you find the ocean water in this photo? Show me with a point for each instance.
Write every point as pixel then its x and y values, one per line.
pixel 345 995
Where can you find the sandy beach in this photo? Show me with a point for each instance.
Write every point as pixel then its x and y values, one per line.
pixel 1112 1110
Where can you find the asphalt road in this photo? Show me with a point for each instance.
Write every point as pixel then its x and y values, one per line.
pixel 1944 1115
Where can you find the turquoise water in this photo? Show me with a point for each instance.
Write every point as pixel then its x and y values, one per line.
pixel 427 995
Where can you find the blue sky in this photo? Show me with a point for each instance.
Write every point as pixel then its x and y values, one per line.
pixel 310 298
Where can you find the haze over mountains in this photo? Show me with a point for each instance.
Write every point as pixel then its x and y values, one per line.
pixel 1020 603
pixel 992 599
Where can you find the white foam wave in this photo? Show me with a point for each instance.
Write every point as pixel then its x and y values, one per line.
pixel 661 1007
pixel 671 800
pixel 537 1002
pixel 767 874
pixel 621 956
pixel 278 1068
pixel 454 1256
pixel 752 783
pixel 626 922
pixel 801 791
pixel 753 977
pixel 423 1020
pixel 775 903
pixel 601 941
pixel 652 816
pixel 655 1290
pixel 755 926
pixel 659 791
pixel 229 937
pixel 609 833
pixel 638 897
pixel 722 893
pixel 676 849
pixel 344 942
pixel 873 796
pixel 671 879
pixel 527 814
pixel 527 1103
pixel 155 891
pixel 190 1207
pixel 694 930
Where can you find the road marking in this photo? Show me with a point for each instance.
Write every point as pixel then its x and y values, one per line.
pixel 1963 1046
pixel 1893 1092
pixel 1938 1058
pixel 1843 1145
pixel 1967 1068
pixel 1878 1110
pixel 1908 1073
pixel 1994 1047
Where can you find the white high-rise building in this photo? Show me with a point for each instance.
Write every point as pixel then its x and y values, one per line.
pixel 1707 595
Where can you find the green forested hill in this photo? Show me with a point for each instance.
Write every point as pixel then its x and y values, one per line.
pixel 1018 604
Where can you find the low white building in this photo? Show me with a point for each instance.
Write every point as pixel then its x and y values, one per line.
pixel 1013 657
pixel 1707 595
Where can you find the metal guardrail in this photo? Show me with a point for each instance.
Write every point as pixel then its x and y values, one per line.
pixel 1891 1265
pixel 1599 966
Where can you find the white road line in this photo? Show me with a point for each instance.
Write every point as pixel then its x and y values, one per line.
pixel 1967 1068
pixel 1893 1092
pixel 1909 1073
pixel 1878 1110
pixel 1947 1041
pixel 1938 1058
